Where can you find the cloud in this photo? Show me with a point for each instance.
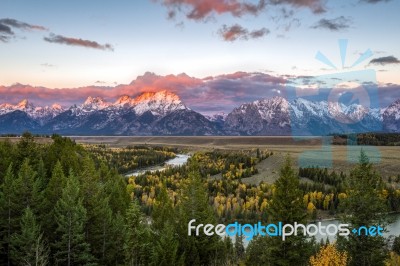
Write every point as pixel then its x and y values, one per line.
pixel 219 93
pixel 236 32
pixel 77 42
pixel 5 33
pixel 21 25
pixel 317 6
pixel 336 24
pixel 212 94
pixel 259 33
pixel 200 10
pixel 7 24
pixel 386 60
pixel 4 29
pixel 233 33
pixel 47 65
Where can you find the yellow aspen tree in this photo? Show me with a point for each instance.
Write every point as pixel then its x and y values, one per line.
pixel 329 256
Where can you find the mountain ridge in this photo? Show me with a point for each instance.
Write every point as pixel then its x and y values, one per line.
pixel 163 113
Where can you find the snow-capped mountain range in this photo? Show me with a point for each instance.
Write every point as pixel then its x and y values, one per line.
pixel 163 113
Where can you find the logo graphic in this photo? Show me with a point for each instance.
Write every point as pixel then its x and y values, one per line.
pixel 280 230
pixel 348 99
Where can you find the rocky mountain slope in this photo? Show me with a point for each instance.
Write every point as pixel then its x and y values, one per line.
pixel 163 113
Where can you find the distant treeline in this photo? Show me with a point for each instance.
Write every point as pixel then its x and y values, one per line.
pixel 18 136
pixel 132 157
pixel 374 139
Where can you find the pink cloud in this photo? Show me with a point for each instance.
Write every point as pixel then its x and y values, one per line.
pixel 219 93
pixel 199 10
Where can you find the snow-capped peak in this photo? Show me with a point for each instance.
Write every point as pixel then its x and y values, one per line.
pixel 36 112
pixel 393 110
pixel 95 103
pixel 125 99
pixel 158 103
pixel 267 108
pixel 24 104
pixel 56 106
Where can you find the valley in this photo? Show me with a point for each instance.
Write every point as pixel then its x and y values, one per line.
pixel 388 161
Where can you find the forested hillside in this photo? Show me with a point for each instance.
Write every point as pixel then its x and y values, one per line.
pixel 66 204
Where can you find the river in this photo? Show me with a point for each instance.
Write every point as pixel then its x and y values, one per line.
pixel 179 160
pixel 392 229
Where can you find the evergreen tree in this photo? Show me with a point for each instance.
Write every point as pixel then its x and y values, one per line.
pixel 239 248
pixel 7 212
pixel 105 236
pixel 70 215
pixel 257 253
pixel 396 245
pixel 115 255
pixel 137 246
pixel 115 188
pixel 27 189
pixel 202 249
pixel 27 246
pixel 230 256
pixel 364 206
pixel 41 175
pixel 52 194
pixel 91 194
pixel 287 206
pixel 164 226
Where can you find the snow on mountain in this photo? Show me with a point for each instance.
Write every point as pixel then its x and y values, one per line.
pixel 163 113
pixel 158 103
pixel 302 117
pixel 220 117
pixel 35 112
pixel 269 108
pixel 262 117
pixel 391 117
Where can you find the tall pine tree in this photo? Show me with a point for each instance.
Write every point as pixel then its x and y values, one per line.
pixel 137 247
pixel 287 206
pixel 366 206
pixel 27 245
pixel 194 204
pixel 8 214
pixel 165 248
pixel 70 215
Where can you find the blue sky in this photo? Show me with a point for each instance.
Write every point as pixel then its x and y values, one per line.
pixel 143 38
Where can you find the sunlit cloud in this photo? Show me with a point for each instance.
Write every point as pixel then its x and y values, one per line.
pixel 53 38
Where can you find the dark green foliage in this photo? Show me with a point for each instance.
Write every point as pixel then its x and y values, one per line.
pixel 8 214
pixel 287 207
pixel 202 249
pixel 257 253
pixel 132 157
pixel 164 226
pixel 239 248
pixel 90 215
pixel 137 244
pixel 374 139
pixel 27 245
pixel 51 194
pixel 96 201
pixel 396 245
pixel 364 206
pixel 71 247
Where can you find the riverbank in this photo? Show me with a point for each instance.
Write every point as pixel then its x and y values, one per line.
pixel 179 160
